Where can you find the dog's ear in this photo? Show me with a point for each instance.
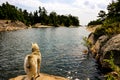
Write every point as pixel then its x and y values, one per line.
pixel 32 43
pixel 35 47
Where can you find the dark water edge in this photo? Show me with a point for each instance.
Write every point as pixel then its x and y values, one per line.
pixel 61 50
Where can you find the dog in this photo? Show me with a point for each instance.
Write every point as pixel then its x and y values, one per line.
pixel 32 63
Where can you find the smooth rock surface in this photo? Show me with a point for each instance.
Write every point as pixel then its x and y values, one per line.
pixel 42 77
pixel 112 47
pixel 103 47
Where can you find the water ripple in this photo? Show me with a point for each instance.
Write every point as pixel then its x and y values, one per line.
pixel 61 50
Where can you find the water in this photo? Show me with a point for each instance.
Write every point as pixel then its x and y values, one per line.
pixel 61 50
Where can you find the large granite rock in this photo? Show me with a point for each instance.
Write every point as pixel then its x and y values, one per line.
pixel 8 25
pixel 103 47
pixel 97 47
pixel 91 38
pixel 111 47
pixel 42 77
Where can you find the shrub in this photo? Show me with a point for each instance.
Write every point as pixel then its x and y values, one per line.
pixel 107 29
pixel 95 22
pixel 116 70
pixel 86 43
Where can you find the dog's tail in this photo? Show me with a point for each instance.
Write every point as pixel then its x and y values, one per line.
pixel 30 67
pixel 29 60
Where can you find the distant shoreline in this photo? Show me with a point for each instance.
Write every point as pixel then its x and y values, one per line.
pixel 39 25
pixel 9 25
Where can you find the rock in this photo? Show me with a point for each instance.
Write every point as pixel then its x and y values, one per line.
pixel 8 25
pixel 42 77
pixel 92 28
pixel 111 47
pixel 91 38
pixel 39 25
pixel 97 47
pixel 103 47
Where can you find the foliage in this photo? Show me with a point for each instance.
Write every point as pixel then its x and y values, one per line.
pixel 86 43
pixel 112 16
pixel 99 32
pixel 95 22
pixel 115 69
pixel 102 15
pixel 107 29
pixel 11 12
pixel 101 18
pixel 110 22
pixel 114 10
pixel 110 77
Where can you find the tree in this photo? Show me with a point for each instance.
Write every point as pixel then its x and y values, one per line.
pixel 114 11
pixel 11 12
pixel 53 18
pixel 40 12
pixel 31 16
pixel 43 16
pixel 35 18
pixel 75 21
pixel 102 15
pixel 111 9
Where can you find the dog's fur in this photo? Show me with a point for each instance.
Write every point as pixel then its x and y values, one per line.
pixel 32 63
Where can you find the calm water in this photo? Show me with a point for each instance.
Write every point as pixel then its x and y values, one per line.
pixel 61 50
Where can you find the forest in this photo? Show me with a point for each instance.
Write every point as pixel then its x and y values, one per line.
pixel 11 12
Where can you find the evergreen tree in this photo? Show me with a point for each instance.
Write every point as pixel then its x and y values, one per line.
pixel 53 18
pixel 43 16
pixel 102 15
pixel 11 12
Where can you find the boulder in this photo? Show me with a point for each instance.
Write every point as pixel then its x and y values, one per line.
pixel 97 47
pixel 112 46
pixel 91 38
pixel 8 25
pixel 42 77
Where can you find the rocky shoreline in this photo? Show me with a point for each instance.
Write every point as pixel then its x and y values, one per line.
pixel 39 25
pixel 92 28
pixel 102 48
pixel 9 25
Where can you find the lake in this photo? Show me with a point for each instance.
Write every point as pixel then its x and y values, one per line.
pixel 61 48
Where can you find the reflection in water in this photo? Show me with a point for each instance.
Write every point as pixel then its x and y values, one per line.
pixel 61 50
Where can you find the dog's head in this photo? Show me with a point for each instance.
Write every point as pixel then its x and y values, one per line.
pixel 35 47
